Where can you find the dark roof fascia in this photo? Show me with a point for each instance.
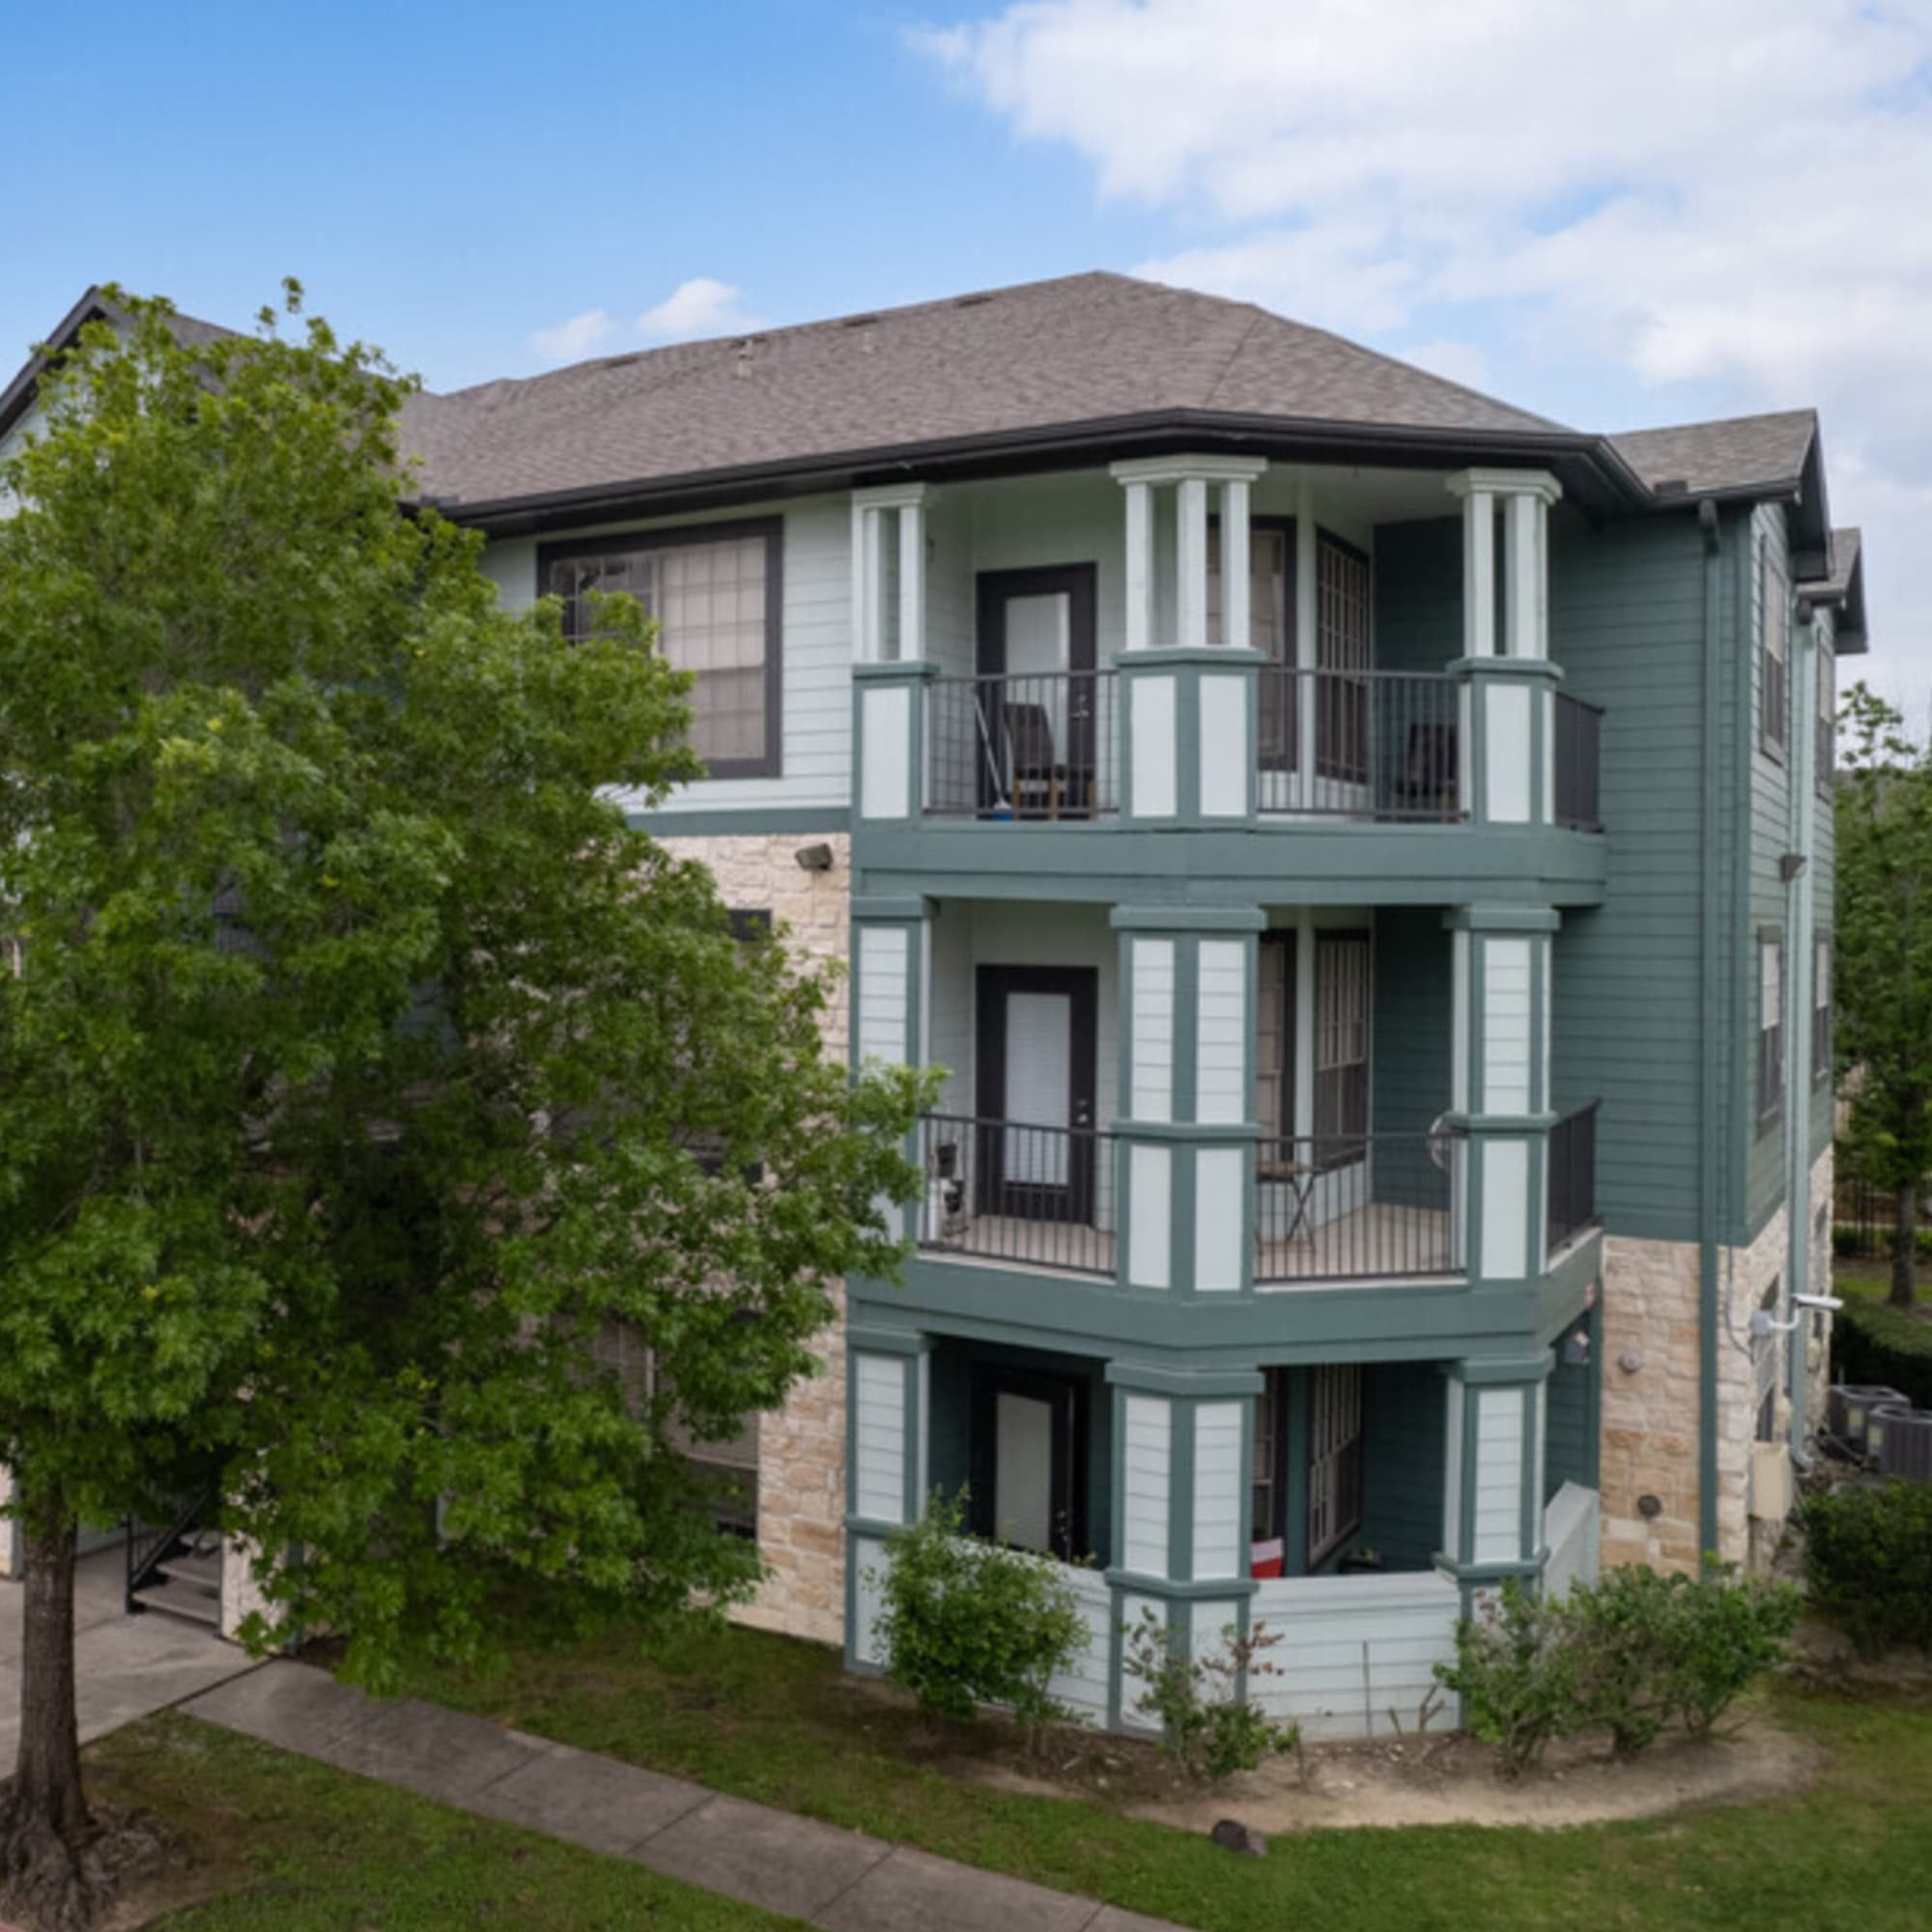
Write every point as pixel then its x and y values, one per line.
pixel 1605 481
pixel 1848 636
pixel 18 397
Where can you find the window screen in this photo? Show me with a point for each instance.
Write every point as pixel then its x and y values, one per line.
pixel 1770 1023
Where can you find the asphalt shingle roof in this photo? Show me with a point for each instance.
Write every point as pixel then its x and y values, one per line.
pixel 1736 453
pixel 1084 349
pixel 1845 546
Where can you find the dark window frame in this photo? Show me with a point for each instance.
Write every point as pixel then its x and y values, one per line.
pixel 1069 1472
pixel 1774 669
pixel 770 763
pixel 1772 1066
pixel 1350 1141
pixel 1348 1458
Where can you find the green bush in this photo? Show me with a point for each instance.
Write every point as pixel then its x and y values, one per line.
pixel 966 1623
pixel 1207 1725
pixel 1868 1562
pixel 1873 1342
pixel 1631 1655
pixel 1515 1672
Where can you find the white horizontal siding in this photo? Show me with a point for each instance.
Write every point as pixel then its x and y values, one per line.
pixel 1222 1028
pixel 1500 1449
pixel 885 987
pixel 816 673
pixel 1220 1495
pixel 1082 1683
pixel 1506 1025
pixel 1147 1478
pixel 879 1432
pixel 1151 1050
pixel 1356 1649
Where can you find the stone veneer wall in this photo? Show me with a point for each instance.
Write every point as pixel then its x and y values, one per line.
pixel 802 1447
pixel 1649 1413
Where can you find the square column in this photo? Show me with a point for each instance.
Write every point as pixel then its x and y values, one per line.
pixel 1493 1468
pixel 1183 1447
pixel 1187 1132
pixel 888 1411
pixel 1189 704
pixel 891 967
pixel 1509 683
pixel 889 574
pixel 1499 1089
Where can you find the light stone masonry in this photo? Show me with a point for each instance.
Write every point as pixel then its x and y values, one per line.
pixel 802 1446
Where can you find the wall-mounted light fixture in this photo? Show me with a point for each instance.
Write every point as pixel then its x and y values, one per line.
pixel 814 858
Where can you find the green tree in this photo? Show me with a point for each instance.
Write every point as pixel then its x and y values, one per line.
pixel 359 1065
pixel 1882 985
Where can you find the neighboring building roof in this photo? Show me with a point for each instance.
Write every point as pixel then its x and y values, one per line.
pixel 18 397
pixel 1739 454
pixel 1843 585
pixel 1083 350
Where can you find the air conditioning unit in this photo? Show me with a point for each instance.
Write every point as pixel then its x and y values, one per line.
pixel 1851 1408
pixel 1898 1439
pixel 1771 1486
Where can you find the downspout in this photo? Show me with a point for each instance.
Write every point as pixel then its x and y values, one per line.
pixel 1800 924
pixel 1710 938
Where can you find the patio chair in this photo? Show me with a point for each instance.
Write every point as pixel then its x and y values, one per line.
pixel 1427 786
pixel 1037 776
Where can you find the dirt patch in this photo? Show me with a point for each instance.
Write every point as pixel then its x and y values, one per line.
pixel 1443 1779
pixel 1454 1780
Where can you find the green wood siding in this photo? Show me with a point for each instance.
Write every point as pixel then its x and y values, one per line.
pixel 1404 1417
pixel 1410 1043
pixel 1569 1445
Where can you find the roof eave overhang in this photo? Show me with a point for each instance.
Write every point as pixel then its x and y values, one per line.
pixel 1592 473
pixel 18 397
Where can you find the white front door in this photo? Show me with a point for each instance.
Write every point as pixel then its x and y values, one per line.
pixel 1039 1073
pixel 1023 1471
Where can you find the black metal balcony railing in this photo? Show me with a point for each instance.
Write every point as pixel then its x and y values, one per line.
pixel 1359 743
pixel 1359 1207
pixel 1035 745
pixel 1572 1176
pixel 1015 1191
pixel 1578 760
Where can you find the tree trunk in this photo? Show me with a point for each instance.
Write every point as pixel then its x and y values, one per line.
pixel 1905 1248
pixel 43 1820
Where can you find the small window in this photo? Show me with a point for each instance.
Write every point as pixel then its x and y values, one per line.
pixel 1821 1007
pixel 1342 1007
pixel 1765 1353
pixel 1266 1501
pixel 1334 1458
pixel 714 593
pixel 1827 753
pixel 1770 1025
pixel 1775 689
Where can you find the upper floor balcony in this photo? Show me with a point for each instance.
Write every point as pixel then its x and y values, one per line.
pixel 1205 643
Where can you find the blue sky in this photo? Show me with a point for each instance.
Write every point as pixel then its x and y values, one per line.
pixel 1615 218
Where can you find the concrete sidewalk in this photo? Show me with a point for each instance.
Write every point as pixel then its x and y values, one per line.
pixel 841 1881
pixel 125 1668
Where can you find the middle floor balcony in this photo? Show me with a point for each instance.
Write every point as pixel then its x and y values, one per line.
pixel 1336 1111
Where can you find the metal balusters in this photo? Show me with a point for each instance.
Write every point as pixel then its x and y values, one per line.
pixel 1352 1206
pixel 1359 743
pixel 1019 1192
pixel 1572 1176
pixel 1035 745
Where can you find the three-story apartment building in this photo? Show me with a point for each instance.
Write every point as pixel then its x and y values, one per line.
pixel 1362 853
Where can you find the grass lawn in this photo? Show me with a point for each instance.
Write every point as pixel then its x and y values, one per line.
pixel 272 1840
pixel 774 1720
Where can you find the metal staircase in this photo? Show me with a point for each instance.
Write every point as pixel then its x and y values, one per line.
pixel 178 1570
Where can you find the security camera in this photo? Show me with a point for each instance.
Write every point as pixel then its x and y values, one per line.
pixel 1829 1301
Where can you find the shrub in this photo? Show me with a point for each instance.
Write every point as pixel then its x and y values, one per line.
pixel 1515 1672
pixel 966 1623
pixel 1873 1342
pixel 1207 1725
pixel 1630 1654
pixel 1868 1562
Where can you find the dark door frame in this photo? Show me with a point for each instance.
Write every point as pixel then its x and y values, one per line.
pixel 1028 1199
pixel 1074 775
pixel 1066 1396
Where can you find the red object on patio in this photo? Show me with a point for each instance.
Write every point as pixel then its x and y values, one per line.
pixel 1264 1558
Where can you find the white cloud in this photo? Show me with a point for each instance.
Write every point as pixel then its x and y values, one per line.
pixel 573 340
pixel 701 306
pixel 1728 201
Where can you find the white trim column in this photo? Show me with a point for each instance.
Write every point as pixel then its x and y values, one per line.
pixel 1509 683
pixel 889 574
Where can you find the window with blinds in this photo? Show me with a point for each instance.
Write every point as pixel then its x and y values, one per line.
pixel 728 1470
pixel 715 595
pixel 1334 1458
pixel 1821 1007
pixel 1774 694
pixel 1342 1008
pixel 1769 1024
